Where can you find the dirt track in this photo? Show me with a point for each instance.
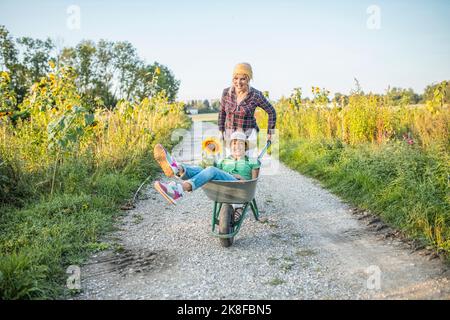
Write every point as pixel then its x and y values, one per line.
pixel 313 246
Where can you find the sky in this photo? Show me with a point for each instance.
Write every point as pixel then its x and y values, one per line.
pixel 289 43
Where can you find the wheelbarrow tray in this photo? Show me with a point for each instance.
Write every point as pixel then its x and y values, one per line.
pixel 233 192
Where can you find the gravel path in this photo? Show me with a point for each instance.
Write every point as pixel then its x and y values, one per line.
pixel 312 246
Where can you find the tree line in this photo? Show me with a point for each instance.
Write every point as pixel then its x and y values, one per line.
pixel 394 96
pixel 107 71
pixel 203 106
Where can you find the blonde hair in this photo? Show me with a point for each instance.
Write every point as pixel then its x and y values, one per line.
pixel 232 84
pixel 245 69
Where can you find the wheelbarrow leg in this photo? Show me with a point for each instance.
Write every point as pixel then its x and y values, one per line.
pixel 255 209
pixel 215 215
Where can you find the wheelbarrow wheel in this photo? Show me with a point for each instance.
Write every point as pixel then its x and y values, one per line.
pixel 226 224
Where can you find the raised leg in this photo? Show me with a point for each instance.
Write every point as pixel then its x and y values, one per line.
pixel 208 174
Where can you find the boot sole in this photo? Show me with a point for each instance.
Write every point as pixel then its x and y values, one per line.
pixel 160 156
pixel 163 193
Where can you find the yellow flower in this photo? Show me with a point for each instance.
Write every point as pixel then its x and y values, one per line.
pixel 211 146
pixel 157 70
pixel 52 64
pixel 5 75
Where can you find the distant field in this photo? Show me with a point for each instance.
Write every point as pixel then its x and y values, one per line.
pixel 204 117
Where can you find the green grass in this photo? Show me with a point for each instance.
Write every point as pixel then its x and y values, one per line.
pixel 305 253
pixel 405 185
pixel 43 236
pixel 276 282
pixel 40 240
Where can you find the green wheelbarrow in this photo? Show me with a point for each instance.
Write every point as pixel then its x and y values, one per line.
pixel 226 195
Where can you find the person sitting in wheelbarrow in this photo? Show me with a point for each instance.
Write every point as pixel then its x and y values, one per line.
pixel 235 167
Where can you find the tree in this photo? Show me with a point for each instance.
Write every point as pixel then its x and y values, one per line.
pixel 86 54
pixel 36 56
pixel 340 99
pixel 110 71
pixel 9 62
pixel 399 96
pixel 107 71
pixel 127 65
pixel 155 78
pixel 26 59
pixel 206 105
pixel 8 50
pixel 166 80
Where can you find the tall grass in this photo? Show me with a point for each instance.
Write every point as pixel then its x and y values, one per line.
pixel 365 119
pixel 394 161
pixel 64 169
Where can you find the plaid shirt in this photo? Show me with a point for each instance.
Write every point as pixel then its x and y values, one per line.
pixel 233 116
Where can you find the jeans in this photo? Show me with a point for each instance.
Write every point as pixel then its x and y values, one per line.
pixel 198 176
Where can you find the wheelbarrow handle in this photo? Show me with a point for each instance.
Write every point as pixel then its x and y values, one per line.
pixel 263 151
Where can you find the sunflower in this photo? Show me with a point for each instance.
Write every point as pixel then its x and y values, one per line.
pixel 211 146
